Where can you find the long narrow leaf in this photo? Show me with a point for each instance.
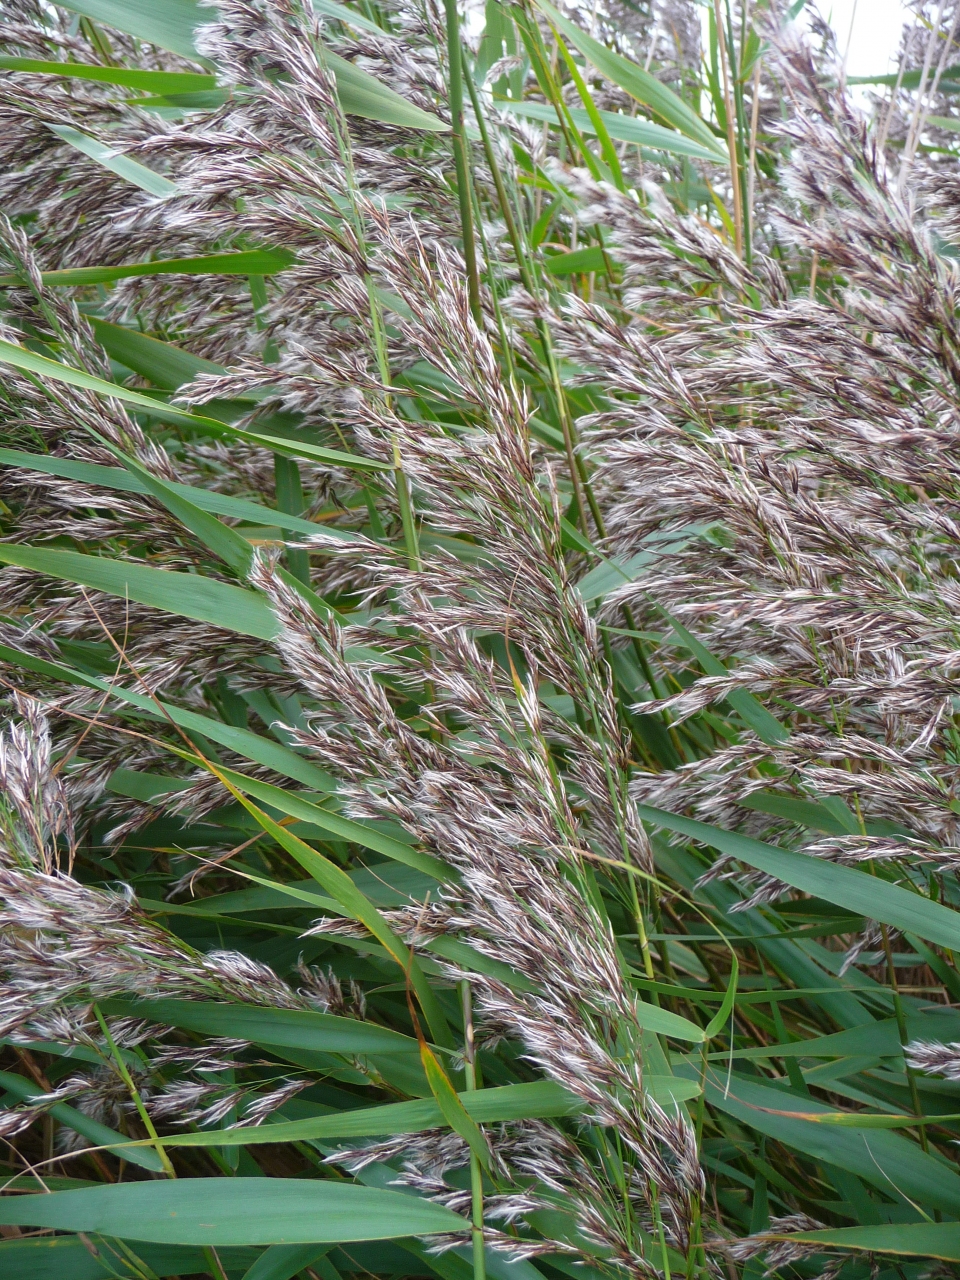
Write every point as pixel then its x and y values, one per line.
pixel 97 1134
pixel 29 361
pixel 188 595
pixel 539 1100
pixel 129 77
pixel 130 170
pixel 858 892
pixel 642 133
pixel 261 262
pixel 640 84
pixel 233 1211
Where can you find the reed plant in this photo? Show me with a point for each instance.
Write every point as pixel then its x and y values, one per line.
pixel 480 494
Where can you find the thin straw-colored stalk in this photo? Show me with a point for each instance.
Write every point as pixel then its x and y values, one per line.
pixel 726 72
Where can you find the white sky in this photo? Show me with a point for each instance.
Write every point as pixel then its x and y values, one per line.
pixel 875 35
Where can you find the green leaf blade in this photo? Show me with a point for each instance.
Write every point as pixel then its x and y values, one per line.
pixel 233 1211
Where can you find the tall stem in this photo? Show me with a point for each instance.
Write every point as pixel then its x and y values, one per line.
pixel 476 1173
pixel 455 61
pixel 904 1037
pixel 134 1094
pixel 731 130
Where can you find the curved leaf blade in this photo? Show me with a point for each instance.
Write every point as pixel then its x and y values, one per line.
pixel 95 1132
pixel 640 84
pixel 642 133
pixel 188 595
pixel 30 362
pixel 909 1239
pixel 130 170
pixel 172 25
pixel 861 894
pixel 538 1100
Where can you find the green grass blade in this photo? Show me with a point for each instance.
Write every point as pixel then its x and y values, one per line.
pixel 361 94
pixel 130 77
pixel 69 1257
pixel 167 23
pixel 632 129
pixel 30 362
pixel 287 1028
pixel 355 904
pixel 220 539
pixel 233 1211
pixel 165 365
pixel 130 170
pixel 886 1160
pixel 640 84
pixel 858 892
pixel 908 1239
pixel 766 726
pixel 188 595
pixel 262 262
pixel 266 751
pixel 451 1106
pixel 172 23
pixel 538 1100
pixel 99 1135
pixel 282 1261
pixel 334 823
pixel 124 481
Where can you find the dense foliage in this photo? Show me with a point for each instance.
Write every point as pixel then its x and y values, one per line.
pixel 479 644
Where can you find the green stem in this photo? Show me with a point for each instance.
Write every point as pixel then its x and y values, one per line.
pixel 134 1094
pixel 476 1173
pixel 461 158
pixel 578 471
pixel 661 1235
pixel 606 145
pixel 406 512
pixel 902 1032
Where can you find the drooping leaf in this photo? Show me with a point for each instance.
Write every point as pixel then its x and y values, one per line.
pixel 343 828
pixel 539 1100
pixel 251 746
pixel 167 23
pixel 592 258
pixel 130 170
pixel 908 1239
pixel 883 1159
pixel 97 1134
pixel 640 84
pixel 281 1261
pixel 665 1023
pixel 361 94
pixel 72 1258
pixel 858 892
pixel 30 362
pixel 290 1028
pixel 451 1106
pixel 162 363
pixel 640 132
pixel 172 24
pixel 339 885
pixel 188 595
pixel 766 726
pixel 124 481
